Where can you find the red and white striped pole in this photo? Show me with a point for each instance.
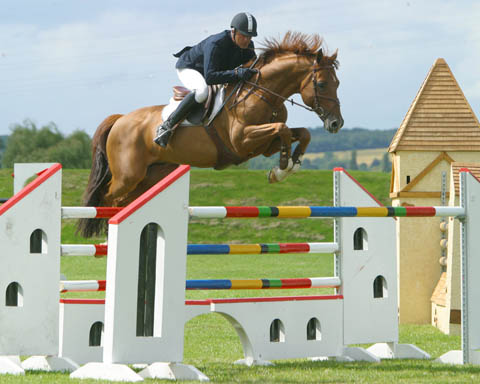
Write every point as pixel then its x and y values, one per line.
pixel 83 249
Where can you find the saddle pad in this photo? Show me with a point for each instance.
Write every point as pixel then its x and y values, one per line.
pixel 173 104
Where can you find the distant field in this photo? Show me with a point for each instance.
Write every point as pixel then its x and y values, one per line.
pixel 363 155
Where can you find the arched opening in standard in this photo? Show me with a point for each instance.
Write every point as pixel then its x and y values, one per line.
pixel 152 243
pixel 360 240
pixel 380 289
pixel 314 330
pixel 14 295
pixel 38 242
pixel 277 331
pixel 95 338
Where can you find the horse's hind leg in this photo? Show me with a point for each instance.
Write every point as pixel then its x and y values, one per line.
pixel 125 179
pixel 119 188
pixel 155 173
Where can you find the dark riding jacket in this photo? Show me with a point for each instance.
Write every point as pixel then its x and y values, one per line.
pixel 215 58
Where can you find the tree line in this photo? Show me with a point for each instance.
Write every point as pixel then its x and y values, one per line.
pixel 349 139
pixel 29 143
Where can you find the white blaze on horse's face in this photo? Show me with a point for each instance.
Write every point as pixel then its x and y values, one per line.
pixel 320 92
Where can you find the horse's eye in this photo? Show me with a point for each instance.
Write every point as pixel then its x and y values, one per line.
pixel 321 85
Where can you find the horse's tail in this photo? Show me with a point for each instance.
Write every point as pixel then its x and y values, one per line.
pixel 99 179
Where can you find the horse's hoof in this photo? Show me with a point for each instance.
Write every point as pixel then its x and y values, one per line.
pixel 277 174
pixel 271 177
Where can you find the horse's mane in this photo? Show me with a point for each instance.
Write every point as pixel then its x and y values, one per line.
pixel 293 42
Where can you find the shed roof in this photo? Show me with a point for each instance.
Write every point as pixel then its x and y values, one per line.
pixel 474 168
pixel 440 117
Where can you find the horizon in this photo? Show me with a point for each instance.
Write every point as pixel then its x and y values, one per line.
pixel 66 134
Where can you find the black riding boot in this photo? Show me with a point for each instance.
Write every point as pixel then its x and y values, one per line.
pixel 164 131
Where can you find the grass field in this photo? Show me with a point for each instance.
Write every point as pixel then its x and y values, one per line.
pixel 211 344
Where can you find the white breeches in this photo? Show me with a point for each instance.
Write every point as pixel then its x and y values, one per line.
pixel 194 81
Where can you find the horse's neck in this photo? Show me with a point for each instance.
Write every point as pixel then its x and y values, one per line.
pixel 284 75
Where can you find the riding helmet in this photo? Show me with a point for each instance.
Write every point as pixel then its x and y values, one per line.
pixel 245 23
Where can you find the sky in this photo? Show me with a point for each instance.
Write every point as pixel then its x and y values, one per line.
pixel 75 62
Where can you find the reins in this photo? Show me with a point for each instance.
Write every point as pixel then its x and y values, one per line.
pixel 254 85
pixel 236 90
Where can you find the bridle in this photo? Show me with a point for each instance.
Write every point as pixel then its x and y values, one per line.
pixel 317 108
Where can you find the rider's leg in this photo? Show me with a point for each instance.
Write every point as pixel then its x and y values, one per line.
pixel 164 131
pixel 194 81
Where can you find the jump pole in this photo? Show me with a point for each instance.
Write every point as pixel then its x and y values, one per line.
pixel 215 249
pixel 326 212
pixel 218 284
pixel 282 212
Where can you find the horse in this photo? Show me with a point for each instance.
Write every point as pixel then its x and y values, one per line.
pixel 126 162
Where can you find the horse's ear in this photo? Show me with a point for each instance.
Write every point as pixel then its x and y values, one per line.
pixel 319 55
pixel 334 56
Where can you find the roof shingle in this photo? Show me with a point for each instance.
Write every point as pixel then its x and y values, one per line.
pixel 440 117
pixel 474 168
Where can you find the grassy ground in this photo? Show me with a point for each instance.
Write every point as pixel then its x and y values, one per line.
pixel 211 344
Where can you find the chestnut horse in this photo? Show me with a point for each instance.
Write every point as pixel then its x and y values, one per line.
pixel 126 161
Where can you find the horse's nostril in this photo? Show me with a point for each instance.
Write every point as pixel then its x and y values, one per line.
pixel 334 124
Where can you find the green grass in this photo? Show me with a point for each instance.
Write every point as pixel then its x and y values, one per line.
pixel 211 343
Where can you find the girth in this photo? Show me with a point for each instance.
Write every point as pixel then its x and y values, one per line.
pixel 225 156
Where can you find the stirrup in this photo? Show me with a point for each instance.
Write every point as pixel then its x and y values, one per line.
pixel 162 136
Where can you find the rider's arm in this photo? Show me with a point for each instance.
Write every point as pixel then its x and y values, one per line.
pixel 211 60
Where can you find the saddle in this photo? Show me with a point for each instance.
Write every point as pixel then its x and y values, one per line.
pixel 203 113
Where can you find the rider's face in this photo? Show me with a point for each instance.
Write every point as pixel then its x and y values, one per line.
pixel 241 40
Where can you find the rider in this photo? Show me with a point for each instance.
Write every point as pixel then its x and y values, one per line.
pixel 212 61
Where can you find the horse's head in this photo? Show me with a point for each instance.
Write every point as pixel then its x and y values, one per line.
pixel 319 91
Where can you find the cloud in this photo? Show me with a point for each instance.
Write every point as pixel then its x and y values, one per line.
pixel 114 58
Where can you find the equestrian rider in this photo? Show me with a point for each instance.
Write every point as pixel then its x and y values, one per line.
pixel 214 60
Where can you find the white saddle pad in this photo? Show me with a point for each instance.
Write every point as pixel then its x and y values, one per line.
pixel 173 104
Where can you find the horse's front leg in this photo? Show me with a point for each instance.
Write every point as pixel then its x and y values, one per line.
pixel 302 135
pixel 256 140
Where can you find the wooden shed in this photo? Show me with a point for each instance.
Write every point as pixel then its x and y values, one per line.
pixel 440 128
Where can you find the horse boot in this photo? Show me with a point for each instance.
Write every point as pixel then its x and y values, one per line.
pixel 164 131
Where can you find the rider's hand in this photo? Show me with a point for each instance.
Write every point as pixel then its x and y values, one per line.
pixel 245 73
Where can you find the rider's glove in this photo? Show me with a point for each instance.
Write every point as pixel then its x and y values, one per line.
pixel 245 73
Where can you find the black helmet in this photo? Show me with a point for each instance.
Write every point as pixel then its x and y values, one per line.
pixel 245 23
